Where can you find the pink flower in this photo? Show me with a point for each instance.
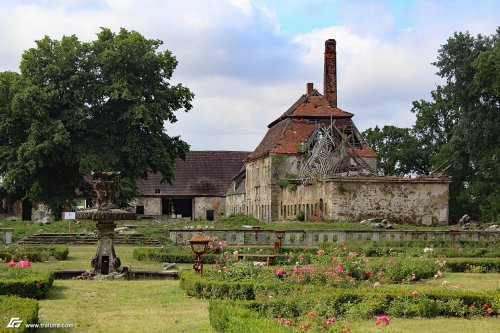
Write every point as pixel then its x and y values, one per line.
pixel 472 307
pixel 376 284
pixel 486 305
pixel 311 314
pixel 270 295
pixel 23 264
pixel 331 320
pixel 384 319
pixel 334 260
pixel 320 252
pixel 414 293
pixel 12 263
pixel 489 310
pixel 279 273
pixel 367 272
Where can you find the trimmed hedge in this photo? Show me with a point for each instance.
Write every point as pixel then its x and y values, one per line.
pixel 17 307
pixel 232 317
pixel 33 253
pixel 197 286
pixel 159 255
pixel 35 284
pixel 459 265
pixel 254 316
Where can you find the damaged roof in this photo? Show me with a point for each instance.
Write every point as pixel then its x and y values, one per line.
pixel 296 125
pixel 203 173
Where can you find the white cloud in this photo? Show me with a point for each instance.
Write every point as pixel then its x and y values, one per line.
pixel 245 70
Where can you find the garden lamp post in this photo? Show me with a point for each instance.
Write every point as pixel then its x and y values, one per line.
pixel 278 242
pixel 199 245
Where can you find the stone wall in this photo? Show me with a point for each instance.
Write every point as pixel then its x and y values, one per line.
pixel 202 204
pixel 401 200
pixel 152 205
pixel 258 188
pixel 316 237
pixel 235 203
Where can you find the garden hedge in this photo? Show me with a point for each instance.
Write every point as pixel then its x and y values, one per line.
pixel 33 253
pixel 16 307
pixel 231 317
pixel 482 265
pixel 34 285
pixel 197 286
pixel 159 255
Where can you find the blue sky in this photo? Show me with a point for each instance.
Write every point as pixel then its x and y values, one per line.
pixel 247 61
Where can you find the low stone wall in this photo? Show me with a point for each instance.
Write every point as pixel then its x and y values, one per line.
pixel 6 235
pixel 315 237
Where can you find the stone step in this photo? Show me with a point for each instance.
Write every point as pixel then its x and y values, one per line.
pixel 83 239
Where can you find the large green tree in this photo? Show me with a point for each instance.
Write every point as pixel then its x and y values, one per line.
pixel 83 106
pixel 459 127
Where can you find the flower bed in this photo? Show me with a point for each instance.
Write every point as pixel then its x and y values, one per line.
pixel 16 307
pixel 21 280
pixel 331 310
pixel 33 253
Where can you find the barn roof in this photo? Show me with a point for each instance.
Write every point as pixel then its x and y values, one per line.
pixel 203 173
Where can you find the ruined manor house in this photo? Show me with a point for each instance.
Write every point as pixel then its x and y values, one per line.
pixel 312 159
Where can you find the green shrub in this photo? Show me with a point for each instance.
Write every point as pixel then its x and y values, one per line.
pixel 300 216
pixel 458 265
pixel 195 285
pixel 159 255
pixel 404 269
pixel 24 282
pixel 368 307
pixel 16 307
pixel 33 253
pixel 233 317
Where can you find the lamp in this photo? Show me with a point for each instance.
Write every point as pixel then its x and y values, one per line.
pixel 199 246
pixel 279 240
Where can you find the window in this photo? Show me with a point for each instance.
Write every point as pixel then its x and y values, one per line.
pixel 157 191
pixel 139 210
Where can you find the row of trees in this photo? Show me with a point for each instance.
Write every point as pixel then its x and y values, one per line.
pixel 79 106
pixel 459 128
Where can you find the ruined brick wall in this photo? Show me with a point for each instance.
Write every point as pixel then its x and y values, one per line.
pixel 401 200
pixel 202 204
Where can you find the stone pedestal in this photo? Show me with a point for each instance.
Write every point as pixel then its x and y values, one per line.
pixel 105 261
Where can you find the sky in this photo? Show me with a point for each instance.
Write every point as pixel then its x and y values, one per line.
pixel 247 61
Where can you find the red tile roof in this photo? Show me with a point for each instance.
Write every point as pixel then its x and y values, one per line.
pixel 296 125
pixel 312 105
pixel 203 173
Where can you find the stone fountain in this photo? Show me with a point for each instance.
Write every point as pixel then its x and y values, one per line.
pixel 105 211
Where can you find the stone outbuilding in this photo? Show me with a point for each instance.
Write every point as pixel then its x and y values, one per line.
pixel 198 191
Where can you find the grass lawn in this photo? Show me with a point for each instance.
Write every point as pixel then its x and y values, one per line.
pixel 124 306
pixel 468 281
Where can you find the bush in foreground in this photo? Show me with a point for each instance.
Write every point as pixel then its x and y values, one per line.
pixel 16 307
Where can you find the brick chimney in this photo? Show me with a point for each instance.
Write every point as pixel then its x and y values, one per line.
pixel 330 79
pixel 309 88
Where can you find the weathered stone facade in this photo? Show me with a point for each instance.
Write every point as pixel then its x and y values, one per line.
pixel 413 201
pixel 203 204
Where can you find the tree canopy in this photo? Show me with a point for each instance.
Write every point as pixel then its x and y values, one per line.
pixel 79 106
pixel 460 126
